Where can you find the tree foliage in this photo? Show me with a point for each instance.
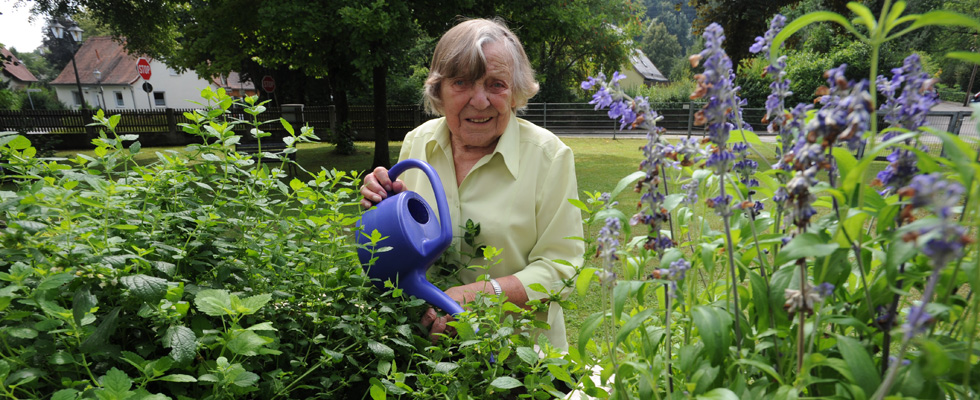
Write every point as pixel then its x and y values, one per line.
pixel 742 20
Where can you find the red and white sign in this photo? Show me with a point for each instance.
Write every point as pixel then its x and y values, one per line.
pixel 268 84
pixel 143 67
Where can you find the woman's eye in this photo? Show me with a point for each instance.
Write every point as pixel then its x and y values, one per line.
pixel 459 82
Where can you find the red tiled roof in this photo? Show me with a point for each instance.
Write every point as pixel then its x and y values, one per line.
pixel 16 69
pixel 104 54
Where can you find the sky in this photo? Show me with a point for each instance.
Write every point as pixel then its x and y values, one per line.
pixel 15 28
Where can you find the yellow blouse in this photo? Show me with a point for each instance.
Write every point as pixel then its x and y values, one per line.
pixel 519 196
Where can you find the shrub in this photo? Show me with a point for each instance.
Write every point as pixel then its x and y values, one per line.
pixel 209 277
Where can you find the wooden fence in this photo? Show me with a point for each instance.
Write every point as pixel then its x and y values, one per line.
pixel 161 127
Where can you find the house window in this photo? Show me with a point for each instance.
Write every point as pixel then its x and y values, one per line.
pixel 77 97
pixel 119 99
pixel 159 100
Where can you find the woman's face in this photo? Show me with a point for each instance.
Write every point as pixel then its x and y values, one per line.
pixel 478 111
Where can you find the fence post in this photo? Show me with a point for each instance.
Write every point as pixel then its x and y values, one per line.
pixel 171 121
pixel 690 117
pixel 332 116
pixel 86 120
pixel 544 119
pixel 955 122
pixel 417 115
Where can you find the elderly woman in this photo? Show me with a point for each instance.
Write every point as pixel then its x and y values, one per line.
pixel 508 175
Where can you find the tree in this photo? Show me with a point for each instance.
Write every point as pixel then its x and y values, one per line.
pixel 570 40
pixel 661 47
pixel 743 21
pixel 355 50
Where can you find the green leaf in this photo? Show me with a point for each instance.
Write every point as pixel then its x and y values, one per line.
pixel 30 227
pixel 584 280
pixel 116 384
pixel 22 332
pixel 943 18
pixel 672 201
pixel 506 382
pixel 845 160
pixel 245 378
pixel 135 147
pixel 65 394
pixel 82 304
pixel 762 367
pixel 248 343
pixel 4 370
pixel 586 330
pixel 742 135
pixel 627 182
pixel 634 322
pixel 807 19
pixel 55 281
pixel 859 361
pixel 96 342
pixel 182 343
pixel 178 378
pixel 147 288
pixel 528 355
pixel 19 143
pixel 864 15
pixel 714 326
pixel 381 350
pixel 378 391
pixel 718 394
pixel 560 373
pixel 803 246
pixel 252 304
pixel 214 302
pixel 965 56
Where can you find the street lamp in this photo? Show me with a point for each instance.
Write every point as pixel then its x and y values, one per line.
pixel 98 80
pixel 58 31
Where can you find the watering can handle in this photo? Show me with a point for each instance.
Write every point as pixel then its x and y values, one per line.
pixel 445 227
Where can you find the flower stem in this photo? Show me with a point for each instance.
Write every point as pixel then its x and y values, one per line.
pixel 731 267
pixel 668 342
pixel 893 368
pixel 801 336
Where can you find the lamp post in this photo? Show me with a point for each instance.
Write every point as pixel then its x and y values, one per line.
pixel 58 31
pixel 98 80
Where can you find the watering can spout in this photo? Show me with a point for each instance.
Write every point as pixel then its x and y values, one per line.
pixel 415 237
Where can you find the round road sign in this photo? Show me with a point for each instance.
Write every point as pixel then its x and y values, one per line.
pixel 143 67
pixel 147 87
pixel 268 84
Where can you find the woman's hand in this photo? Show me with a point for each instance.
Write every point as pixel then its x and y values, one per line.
pixel 377 186
pixel 437 324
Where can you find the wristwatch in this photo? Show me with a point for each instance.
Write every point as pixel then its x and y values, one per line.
pixel 497 290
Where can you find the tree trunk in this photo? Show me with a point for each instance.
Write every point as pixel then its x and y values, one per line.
pixel 381 157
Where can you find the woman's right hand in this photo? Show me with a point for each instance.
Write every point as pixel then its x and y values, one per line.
pixel 377 186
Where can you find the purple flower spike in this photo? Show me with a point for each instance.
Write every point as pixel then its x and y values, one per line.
pixel 917 321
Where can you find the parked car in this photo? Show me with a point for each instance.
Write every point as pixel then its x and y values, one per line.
pixel 976 98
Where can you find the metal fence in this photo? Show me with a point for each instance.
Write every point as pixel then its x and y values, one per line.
pixel 161 127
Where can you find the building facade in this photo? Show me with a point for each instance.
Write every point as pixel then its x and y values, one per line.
pixel 109 80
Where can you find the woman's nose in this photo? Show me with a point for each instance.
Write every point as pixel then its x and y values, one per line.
pixel 480 98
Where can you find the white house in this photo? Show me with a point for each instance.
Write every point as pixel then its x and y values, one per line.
pixel 109 79
pixel 643 71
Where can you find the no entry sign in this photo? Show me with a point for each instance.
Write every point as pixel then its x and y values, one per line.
pixel 268 84
pixel 143 67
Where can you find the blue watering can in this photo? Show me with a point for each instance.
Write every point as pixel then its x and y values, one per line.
pixel 415 237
